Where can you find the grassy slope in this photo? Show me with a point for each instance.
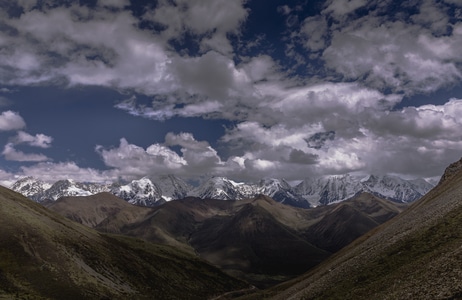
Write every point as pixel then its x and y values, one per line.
pixel 45 256
pixel 416 255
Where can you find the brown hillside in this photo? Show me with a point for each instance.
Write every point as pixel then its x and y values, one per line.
pixel 416 255
pixel 46 256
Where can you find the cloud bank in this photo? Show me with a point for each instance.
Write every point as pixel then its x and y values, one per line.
pixel 288 120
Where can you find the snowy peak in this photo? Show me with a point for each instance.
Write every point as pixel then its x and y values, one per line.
pixel 310 192
pixel 330 189
pixel 395 188
pixel 67 187
pixel 281 191
pixel 140 192
pixel 222 188
pixel 172 187
pixel 30 186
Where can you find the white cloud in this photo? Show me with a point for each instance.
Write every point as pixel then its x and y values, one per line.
pixel 51 172
pixel 341 8
pixel 10 153
pixel 10 120
pixel 91 47
pixel 314 31
pixel 39 140
pixel 222 17
pixel 381 58
pixel 133 161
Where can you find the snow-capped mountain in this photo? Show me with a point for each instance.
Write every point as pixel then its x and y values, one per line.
pixel 395 188
pixel 30 187
pixel 172 187
pixel 227 189
pixel 310 192
pixel 281 191
pixel 330 189
pixel 140 192
pixel 224 189
pixel 67 187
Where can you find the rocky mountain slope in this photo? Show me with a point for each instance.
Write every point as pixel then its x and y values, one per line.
pixel 331 189
pixel 416 255
pixel 259 240
pixel 46 256
pixel 310 192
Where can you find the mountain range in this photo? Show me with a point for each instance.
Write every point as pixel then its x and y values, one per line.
pixel 361 248
pixel 310 192
pixel 258 240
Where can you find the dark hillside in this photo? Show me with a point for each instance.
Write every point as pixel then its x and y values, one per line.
pixel 416 255
pixel 45 256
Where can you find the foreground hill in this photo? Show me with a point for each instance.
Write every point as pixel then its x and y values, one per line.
pixel 417 255
pixel 259 240
pixel 46 256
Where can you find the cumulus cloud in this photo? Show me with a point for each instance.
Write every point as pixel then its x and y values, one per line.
pixel 39 140
pixel 341 8
pixel 285 125
pixel 134 161
pixel 51 172
pixel 387 56
pixel 10 120
pixel 181 16
pixel 90 47
pixel 10 153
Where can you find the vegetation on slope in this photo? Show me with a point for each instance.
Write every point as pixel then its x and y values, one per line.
pixel 45 256
pixel 416 255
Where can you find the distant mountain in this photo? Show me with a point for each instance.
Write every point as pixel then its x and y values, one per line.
pixel 331 189
pixel 223 189
pixel 416 255
pixel 63 188
pixel 396 189
pixel 140 192
pixel 46 256
pixel 281 191
pixel 310 192
pixel 172 187
pixel 30 187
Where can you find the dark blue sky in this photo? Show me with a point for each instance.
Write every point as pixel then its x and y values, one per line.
pixel 100 90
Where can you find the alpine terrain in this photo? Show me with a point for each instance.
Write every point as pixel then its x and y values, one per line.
pixel 308 193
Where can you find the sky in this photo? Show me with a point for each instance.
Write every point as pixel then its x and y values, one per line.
pixel 110 90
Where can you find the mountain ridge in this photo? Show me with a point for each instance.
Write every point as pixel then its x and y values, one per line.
pixel 259 239
pixel 308 193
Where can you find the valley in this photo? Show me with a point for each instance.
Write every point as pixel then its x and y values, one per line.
pixel 266 248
